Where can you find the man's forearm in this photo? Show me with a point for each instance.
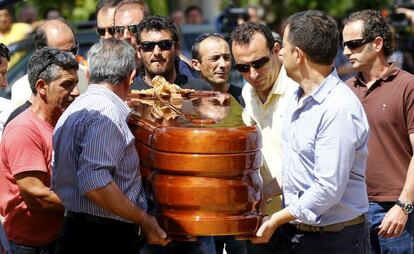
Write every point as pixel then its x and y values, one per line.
pixel 112 199
pixel 407 194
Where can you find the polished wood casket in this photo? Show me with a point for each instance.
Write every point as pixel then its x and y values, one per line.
pixel 200 164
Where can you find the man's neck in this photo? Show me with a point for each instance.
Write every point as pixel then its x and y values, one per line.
pixel 44 111
pixel 373 72
pixel 221 87
pixel 313 77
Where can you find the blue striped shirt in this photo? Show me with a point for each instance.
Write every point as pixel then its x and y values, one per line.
pixel 93 147
pixel 324 144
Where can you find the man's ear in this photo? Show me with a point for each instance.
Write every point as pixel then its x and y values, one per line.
pixel 276 48
pixel 300 55
pixel 196 64
pixel 139 56
pixel 41 87
pixel 131 77
pixel 378 44
pixel 177 47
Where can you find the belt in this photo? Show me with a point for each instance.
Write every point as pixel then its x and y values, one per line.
pixel 337 227
pixel 94 219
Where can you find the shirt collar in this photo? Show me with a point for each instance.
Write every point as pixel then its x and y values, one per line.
pixel 121 105
pixel 325 87
pixel 390 73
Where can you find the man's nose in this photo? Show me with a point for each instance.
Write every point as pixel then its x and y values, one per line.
pixel 253 73
pixel 75 92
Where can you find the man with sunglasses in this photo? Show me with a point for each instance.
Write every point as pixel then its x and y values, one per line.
pixel 52 33
pixel 105 10
pixel 387 94
pixel 212 58
pixel 324 140
pixel 33 213
pixel 128 15
pixel 159 49
pixel 256 57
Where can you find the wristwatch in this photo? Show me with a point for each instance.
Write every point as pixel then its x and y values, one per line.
pixel 406 207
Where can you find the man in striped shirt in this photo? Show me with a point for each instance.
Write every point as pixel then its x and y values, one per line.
pixel 95 170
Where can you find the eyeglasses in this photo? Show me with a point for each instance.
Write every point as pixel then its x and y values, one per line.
pixel 74 50
pixel 119 30
pixel 61 57
pixel 101 31
pixel 354 44
pixel 148 46
pixel 257 64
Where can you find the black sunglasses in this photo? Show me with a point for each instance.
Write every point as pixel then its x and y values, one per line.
pixel 119 30
pixel 74 50
pixel 148 46
pixel 101 31
pixel 61 57
pixel 257 64
pixel 354 44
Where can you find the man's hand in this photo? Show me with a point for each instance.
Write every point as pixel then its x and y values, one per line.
pixel 393 223
pixel 153 232
pixel 265 231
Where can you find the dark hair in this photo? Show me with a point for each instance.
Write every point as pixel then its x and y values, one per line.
pixel 158 23
pixel 374 25
pixel 9 9
pixel 192 8
pixel 243 34
pixel 40 38
pixel 195 49
pixel 315 33
pixel 4 51
pixel 46 63
pixel 103 4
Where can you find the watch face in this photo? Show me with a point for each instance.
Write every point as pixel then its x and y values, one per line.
pixel 408 208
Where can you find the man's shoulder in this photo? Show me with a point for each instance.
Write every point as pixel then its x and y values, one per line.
pixel 404 77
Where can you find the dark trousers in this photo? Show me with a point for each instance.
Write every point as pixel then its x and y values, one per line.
pixel 203 245
pixel 351 240
pixel 81 234
pixel 231 245
pixel 16 248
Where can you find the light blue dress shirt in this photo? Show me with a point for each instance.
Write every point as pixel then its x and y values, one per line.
pixel 324 143
pixel 93 147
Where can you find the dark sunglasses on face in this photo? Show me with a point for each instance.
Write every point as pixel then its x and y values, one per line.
pixel 257 64
pixel 74 50
pixel 119 30
pixel 148 46
pixel 101 31
pixel 354 44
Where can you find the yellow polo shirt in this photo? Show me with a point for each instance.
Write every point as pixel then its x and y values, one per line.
pixel 269 117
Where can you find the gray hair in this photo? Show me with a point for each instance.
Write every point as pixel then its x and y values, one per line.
pixel 111 61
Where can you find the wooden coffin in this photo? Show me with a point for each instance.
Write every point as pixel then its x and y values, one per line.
pixel 201 166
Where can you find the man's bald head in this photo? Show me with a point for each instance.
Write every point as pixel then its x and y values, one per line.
pixel 55 33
